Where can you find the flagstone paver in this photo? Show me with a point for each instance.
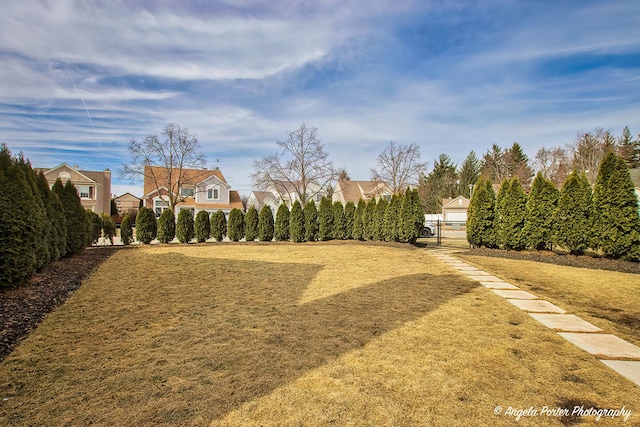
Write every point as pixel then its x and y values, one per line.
pixel 476 273
pixel 627 368
pixel 514 294
pixel 498 285
pixel 484 278
pixel 536 306
pixel 565 322
pixel 603 345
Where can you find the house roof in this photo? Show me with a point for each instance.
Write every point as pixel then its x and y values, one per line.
pixel 261 196
pixel 189 177
pixel 459 202
pixel 88 176
pixel 127 195
pixel 353 191
pixel 234 202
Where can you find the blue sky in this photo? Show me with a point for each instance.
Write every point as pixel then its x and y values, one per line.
pixel 79 78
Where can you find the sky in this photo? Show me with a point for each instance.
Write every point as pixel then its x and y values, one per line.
pixel 80 78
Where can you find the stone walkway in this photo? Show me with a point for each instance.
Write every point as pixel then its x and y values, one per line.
pixel 618 354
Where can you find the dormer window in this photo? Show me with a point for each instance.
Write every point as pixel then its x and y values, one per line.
pixel 213 193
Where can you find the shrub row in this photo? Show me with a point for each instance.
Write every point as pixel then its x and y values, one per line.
pixel 603 221
pixel 39 225
pixel 400 220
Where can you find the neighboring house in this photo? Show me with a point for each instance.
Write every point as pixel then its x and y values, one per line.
pixel 286 192
pixel 94 188
pixel 455 210
pixel 259 199
pixel 201 189
pixel 127 204
pixel 635 177
pixel 353 191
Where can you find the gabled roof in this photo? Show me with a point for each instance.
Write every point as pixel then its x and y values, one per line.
pixel 125 195
pixel 83 174
pixel 353 191
pixel 261 196
pixel 459 202
pixel 189 177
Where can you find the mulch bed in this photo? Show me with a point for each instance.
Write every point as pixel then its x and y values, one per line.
pixel 23 307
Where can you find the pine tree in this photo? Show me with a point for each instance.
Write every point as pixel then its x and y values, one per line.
pixel 296 223
pixel 166 226
pixel 146 226
pixel 56 240
pixel 325 220
pixel 629 149
pixel 369 218
pixel 515 204
pixel 358 220
pixel 251 224
pixel 572 220
pixel 281 228
pixel 236 225
pixel 310 213
pixel 218 226
pixel 349 219
pixel 39 214
pixel 378 219
pixel 538 226
pixel 265 224
pixel 616 223
pixel 126 232
pixel 202 226
pixel 501 214
pixel 339 222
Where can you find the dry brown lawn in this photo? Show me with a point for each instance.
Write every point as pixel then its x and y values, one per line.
pixel 608 299
pixel 285 334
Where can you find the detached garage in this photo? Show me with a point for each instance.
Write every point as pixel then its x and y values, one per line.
pixel 454 211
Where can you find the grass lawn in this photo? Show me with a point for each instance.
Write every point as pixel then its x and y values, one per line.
pixel 608 299
pixel 286 334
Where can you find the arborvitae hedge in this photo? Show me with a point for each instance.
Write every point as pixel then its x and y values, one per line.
pixel 77 223
pixel 339 222
pixel 616 223
pixel 265 224
pixel 146 226
pixel 126 232
pixel 185 226
pixel 39 214
pixel 236 225
pixel 358 220
pixel 378 219
pixel 325 219
pixel 95 226
pixel 572 221
pixel 411 217
pixel 349 219
pixel 55 216
pixel 108 228
pixel 166 226
pixel 218 226
pixel 501 215
pixel 296 223
pixel 541 206
pixel 281 228
pixel 391 219
pixel 251 224
pixel 515 210
pixel 481 215
pixel 202 226
pixel 310 213
pixel 369 219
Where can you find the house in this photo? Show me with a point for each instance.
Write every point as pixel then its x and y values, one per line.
pixel 635 177
pixel 200 189
pixel 353 191
pixel 94 188
pixel 127 204
pixel 287 193
pixel 258 199
pixel 455 210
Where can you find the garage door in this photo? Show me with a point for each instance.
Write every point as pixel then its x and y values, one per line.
pixel 456 217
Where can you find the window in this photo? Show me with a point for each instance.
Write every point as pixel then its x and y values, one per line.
pixel 186 192
pixel 213 193
pixel 85 191
pixel 159 206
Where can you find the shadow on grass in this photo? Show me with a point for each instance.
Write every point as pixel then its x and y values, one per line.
pixel 175 349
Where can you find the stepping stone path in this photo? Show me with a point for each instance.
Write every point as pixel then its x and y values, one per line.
pixel 616 353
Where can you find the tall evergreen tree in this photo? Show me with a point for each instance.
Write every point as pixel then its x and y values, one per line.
pixel 629 149
pixel 166 226
pixel 310 213
pixel 95 226
pixel 236 225
pixel 251 224
pixel 281 227
pixel 185 226
pixel 296 223
pixel 146 226
pixel 378 219
pixel 349 218
pixel 616 224
pixel 358 220
pixel 325 219
pixel 218 226
pixel 369 219
pixel 339 222
pixel 202 226
pixel 541 206
pixel 391 219
pixel 39 213
pixel 515 209
pixel 77 224
pixel 572 220
pixel 481 215
pixel 441 183
pixel 265 224
pixel 501 212
pixel 126 232
pixel 411 217
pixel 468 174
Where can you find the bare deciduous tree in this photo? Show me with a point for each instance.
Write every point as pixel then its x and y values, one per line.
pixel 301 166
pixel 588 149
pixel 164 160
pixel 399 166
pixel 554 164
